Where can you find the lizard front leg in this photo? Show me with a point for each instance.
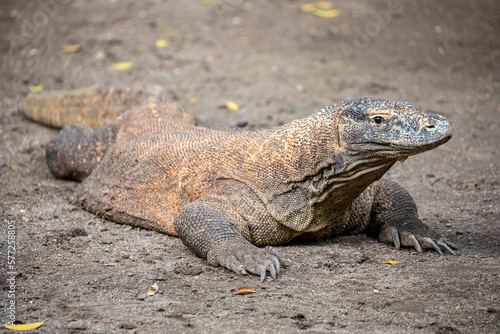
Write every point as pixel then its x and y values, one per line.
pixel 394 218
pixel 210 234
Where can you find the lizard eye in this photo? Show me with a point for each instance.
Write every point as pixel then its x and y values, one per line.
pixel 378 119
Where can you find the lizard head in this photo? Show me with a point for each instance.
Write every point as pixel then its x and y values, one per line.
pixel 389 129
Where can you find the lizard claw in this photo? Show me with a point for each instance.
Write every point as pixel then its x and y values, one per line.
pixel 263 275
pixel 242 257
pixel 272 271
pixel 414 233
pixel 445 245
pixel 451 244
pixel 436 247
pixel 395 238
pixel 415 243
pixel 277 265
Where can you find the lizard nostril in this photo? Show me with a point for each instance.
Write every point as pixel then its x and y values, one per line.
pixel 430 125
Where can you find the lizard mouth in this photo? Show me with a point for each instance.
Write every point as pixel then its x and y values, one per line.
pixel 415 148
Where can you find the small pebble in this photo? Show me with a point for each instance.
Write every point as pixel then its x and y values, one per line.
pixel 242 124
pixel 77 324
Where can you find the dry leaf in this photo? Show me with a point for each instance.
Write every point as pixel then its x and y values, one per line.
pixel 36 89
pixel 122 66
pixel 153 289
pixel 242 31
pixel 307 7
pixel 337 64
pixel 391 262
pixel 242 291
pixel 162 27
pixel 327 13
pixel 232 106
pixel 324 5
pixel 162 43
pixel 71 48
pixel 24 327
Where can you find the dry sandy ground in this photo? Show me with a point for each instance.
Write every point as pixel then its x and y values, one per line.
pixel 278 63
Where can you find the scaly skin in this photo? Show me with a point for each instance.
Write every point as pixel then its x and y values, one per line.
pixel 225 194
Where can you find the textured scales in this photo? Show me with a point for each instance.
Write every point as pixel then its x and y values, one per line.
pixel 225 193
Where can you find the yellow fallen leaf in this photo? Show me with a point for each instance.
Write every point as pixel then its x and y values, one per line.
pixel 324 5
pixel 122 66
pixel 232 106
pixel 71 48
pixel 162 43
pixel 337 64
pixel 162 27
pixel 391 262
pixel 242 291
pixel 242 32
pixel 193 100
pixel 307 7
pixel 36 89
pixel 327 13
pixel 207 2
pixel 24 327
pixel 153 289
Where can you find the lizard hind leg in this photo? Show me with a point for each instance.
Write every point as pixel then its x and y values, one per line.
pixel 76 150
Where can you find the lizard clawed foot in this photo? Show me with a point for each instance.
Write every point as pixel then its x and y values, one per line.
pixel 415 234
pixel 242 257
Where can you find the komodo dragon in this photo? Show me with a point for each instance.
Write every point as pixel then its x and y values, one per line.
pixel 225 194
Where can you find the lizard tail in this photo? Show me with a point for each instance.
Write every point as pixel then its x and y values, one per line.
pixel 90 106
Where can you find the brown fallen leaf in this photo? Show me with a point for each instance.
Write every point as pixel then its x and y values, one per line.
pixel 242 291
pixel 71 48
pixel 153 289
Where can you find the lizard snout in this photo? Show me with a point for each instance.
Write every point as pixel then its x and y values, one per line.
pixel 437 124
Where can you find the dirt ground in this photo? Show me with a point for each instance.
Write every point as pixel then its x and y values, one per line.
pixel 80 273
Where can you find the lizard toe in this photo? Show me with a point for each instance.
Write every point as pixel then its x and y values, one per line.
pixel 243 257
pixel 414 233
pixel 446 245
pixel 436 247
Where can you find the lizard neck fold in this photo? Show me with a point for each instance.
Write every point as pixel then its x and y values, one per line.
pixel 301 167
